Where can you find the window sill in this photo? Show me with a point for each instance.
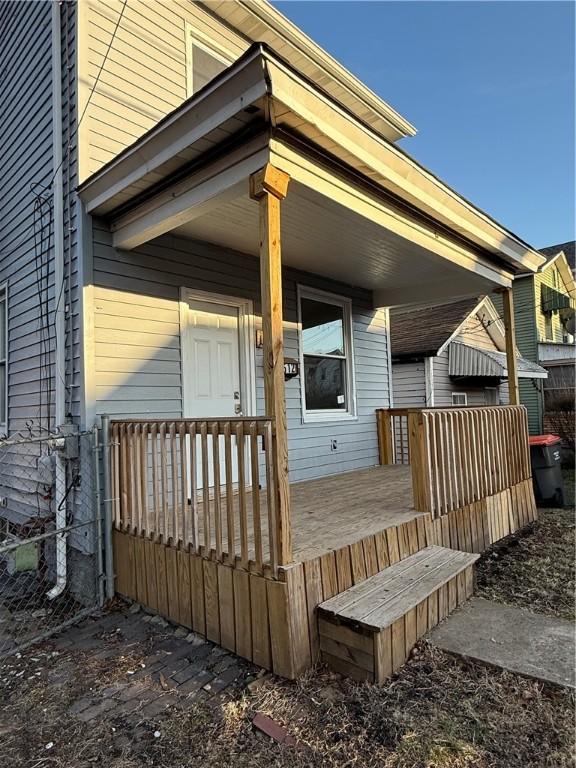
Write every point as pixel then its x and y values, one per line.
pixel 324 418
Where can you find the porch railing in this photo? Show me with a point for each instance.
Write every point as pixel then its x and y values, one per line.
pixel 203 484
pixel 457 455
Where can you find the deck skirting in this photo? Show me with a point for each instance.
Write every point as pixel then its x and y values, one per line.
pixel 272 621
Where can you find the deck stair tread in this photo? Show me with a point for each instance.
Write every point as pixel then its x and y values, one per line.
pixel 382 599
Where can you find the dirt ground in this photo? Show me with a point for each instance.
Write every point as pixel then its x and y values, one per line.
pixel 534 569
pixel 438 712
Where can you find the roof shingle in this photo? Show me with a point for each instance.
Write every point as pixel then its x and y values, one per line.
pixel 421 331
pixel 569 249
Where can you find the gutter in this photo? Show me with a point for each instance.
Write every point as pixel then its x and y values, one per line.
pixel 59 318
pixel 282 26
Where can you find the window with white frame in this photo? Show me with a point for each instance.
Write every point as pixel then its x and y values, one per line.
pixel 3 359
pixel 327 372
pixel 204 61
pixel 459 398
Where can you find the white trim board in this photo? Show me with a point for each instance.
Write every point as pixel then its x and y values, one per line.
pixel 429 381
pixel 194 36
pixel 351 414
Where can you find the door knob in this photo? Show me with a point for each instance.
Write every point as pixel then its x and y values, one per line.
pixel 237 408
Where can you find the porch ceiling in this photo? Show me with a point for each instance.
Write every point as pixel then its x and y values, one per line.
pixel 260 110
pixel 321 236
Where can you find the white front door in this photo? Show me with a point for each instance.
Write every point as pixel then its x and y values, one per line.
pixel 217 365
pixel 213 356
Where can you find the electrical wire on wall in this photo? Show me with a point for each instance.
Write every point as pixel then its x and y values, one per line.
pixel 43 234
pixel 42 231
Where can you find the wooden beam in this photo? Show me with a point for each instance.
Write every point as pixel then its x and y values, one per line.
pixel 510 327
pixel 268 186
pixel 269 180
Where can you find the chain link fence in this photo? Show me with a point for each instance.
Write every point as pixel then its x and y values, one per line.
pixel 51 542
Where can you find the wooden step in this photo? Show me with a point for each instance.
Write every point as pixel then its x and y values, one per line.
pixel 368 631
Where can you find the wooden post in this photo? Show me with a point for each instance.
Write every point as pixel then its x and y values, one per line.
pixel 510 326
pixel 419 462
pixel 385 443
pixel 268 186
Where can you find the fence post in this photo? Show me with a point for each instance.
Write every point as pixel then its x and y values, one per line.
pixel 419 461
pixel 106 477
pixel 385 443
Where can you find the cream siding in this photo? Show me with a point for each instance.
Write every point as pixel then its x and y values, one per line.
pixel 551 277
pixel 137 347
pixel 145 76
pixel 475 333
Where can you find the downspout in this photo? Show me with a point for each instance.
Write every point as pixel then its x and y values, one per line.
pixel 60 299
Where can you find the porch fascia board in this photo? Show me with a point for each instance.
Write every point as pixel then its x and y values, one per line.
pixel 261 79
pixel 325 122
pixel 336 187
pixel 240 86
pixel 220 181
pixel 276 30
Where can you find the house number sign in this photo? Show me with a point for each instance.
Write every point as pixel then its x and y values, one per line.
pixel 291 368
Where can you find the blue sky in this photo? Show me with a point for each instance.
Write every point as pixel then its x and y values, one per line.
pixel 488 85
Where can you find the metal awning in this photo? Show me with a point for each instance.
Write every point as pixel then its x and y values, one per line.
pixel 553 300
pixel 467 361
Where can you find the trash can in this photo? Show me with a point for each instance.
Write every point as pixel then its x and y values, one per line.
pixel 545 457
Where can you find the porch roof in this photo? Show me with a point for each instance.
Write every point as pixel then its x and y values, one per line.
pixel 196 163
pixel 467 361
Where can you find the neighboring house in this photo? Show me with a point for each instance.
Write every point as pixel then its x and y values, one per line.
pixel 544 310
pixel 190 192
pixel 452 354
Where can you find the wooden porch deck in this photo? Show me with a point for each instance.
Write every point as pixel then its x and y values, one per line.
pixel 333 511
pixel 327 514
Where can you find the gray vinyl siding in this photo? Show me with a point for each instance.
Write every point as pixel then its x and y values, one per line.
pixel 444 386
pixel 409 385
pixel 27 168
pixel 74 277
pixel 26 160
pixel 137 364
pixel 26 247
pixel 525 309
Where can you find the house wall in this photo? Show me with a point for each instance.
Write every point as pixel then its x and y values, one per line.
pixel 409 385
pixel 552 277
pixel 145 76
pixel 26 213
pixel 444 386
pixel 26 159
pixel 137 363
pixel 27 267
pixel 526 307
pixel 409 379
pixel 474 332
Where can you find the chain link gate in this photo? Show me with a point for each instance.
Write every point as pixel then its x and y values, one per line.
pixel 52 538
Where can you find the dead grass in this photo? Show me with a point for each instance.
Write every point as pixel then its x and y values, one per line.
pixel 535 568
pixel 438 713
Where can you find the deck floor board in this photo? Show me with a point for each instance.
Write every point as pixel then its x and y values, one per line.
pixel 327 513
